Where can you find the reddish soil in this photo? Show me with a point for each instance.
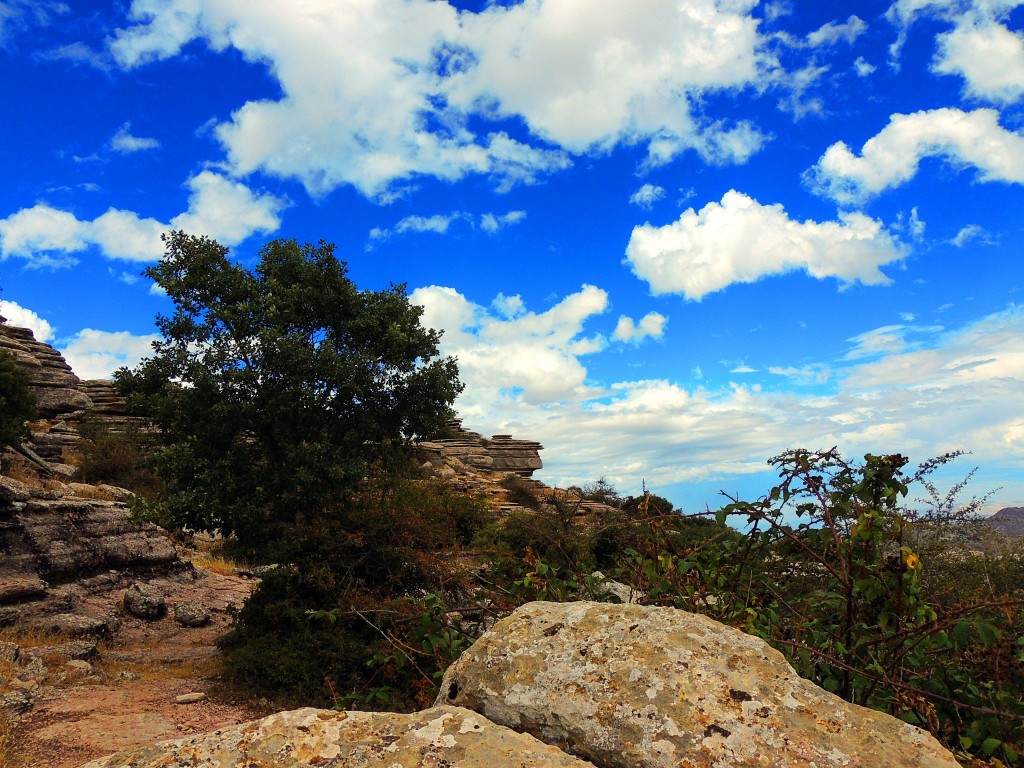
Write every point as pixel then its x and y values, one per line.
pixel 129 700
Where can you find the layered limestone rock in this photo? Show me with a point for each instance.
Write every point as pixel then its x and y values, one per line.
pixel 442 736
pixel 629 686
pixel 63 541
pixel 501 454
pixel 54 384
pixel 56 543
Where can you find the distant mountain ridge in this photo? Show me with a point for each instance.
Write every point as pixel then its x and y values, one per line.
pixel 1008 520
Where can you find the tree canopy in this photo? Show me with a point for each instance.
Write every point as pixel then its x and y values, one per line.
pixel 17 403
pixel 276 388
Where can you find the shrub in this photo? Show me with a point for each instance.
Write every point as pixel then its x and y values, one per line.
pixel 17 403
pixel 360 570
pixel 830 572
pixel 119 458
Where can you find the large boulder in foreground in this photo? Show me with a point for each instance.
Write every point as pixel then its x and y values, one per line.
pixel 630 686
pixel 442 736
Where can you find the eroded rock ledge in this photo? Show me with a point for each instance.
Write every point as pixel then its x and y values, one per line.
pixel 500 454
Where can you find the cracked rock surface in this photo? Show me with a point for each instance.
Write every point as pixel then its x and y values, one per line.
pixel 441 737
pixel 630 686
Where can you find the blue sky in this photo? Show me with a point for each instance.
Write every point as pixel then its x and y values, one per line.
pixel 667 238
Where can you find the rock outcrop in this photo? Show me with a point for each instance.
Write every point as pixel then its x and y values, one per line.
pixel 628 686
pixel 561 684
pixel 501 454
pixel 57 389
pixel 63 401
pixel 1008 520
pixel 442 736
pixel 61 541
pixel 56 546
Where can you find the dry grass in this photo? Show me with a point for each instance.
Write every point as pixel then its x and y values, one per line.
pixel 26 638
pixel 31 637
pixel 18 468
pixel 10 743
pixel 92 492
pixel 156 670
pixel 214 563
pixel 208 552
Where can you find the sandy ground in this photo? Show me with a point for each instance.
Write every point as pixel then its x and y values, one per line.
pixel 129 700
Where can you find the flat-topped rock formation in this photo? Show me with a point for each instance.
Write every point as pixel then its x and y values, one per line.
pixel 502 453
pixel 58 391
pixel 63 401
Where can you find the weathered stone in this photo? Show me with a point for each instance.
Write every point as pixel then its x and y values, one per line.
pixel 78 650
pixel 11 490
pixel 190 698
pixel 79 667
pixel 442 736
pixel 34 668
pixel 468 449
pixel 191 615
pixel 8 652
pixel 16 702
pixel 74 625
pixel 602 585
pixel 629 686
pixel 144 601
pixel 16 588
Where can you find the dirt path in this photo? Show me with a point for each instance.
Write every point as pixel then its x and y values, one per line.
pixel 127 695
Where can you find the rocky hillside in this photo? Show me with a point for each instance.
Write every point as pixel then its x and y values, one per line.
pixel 1008 520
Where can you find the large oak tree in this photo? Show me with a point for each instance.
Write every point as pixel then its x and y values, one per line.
pixel 275 389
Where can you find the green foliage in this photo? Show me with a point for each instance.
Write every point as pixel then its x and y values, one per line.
pixel 17 403
pixel 276 389
pixel 550 529
pixel 600 491
pixel 881 604
pixel 275 650
pixel 831 573
pixel 355 569
pixel 520 492
pixel 118 457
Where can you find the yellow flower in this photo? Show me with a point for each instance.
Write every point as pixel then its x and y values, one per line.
pixel 913 561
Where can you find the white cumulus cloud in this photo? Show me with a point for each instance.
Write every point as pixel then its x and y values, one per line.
pixel 838 32
pixel 19 16
pixel 21 317
pixel 491 222
pixel 96 354
pixel 647 195
pixel 892 157
pixel 218 207
pixel 513 354
pixel 988 56
pixel 651 326
pixel 400 82
pixel 980 47
pixel 526 374
pixel 742 241
pixel 125 143
pixel 972 233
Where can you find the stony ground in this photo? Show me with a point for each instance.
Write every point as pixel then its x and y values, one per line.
pixel 128 694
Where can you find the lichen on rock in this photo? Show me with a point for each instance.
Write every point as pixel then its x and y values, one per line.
pixel 630 686
pixel 441 736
